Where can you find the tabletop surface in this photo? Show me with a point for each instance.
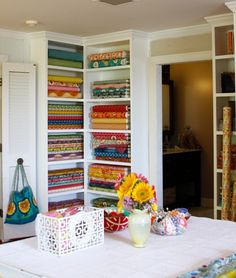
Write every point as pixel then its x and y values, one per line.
pixel 164 256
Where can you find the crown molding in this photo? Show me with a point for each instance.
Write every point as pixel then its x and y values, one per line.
pixel 180 32
pixel 220 20
pixel 115 36
pixel 60 37
pixel 12 34
pixel 231 5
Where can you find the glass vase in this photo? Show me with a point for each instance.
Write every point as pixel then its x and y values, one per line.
pixel 139 226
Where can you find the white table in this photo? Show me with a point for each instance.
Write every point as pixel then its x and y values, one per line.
pixel 164 256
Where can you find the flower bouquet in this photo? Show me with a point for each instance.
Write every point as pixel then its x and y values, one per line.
pixel 134 192
pixel 137 197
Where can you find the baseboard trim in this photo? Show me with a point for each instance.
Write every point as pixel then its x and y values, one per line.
pixel 207 202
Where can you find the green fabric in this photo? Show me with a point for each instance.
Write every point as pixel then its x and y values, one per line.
pixel 65 63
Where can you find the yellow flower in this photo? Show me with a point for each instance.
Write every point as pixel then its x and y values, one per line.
pixel 24 206
pixel 154 207
pixel 127 185
pixel 142 192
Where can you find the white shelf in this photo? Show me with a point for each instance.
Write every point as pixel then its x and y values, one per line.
pixel 108 130
pixel 65 99
pixel 108 68
pixel 109 162
pixel 96 192
pixel 225 95
pixel 224 57
pixel 65 130
pixel 94 100
pixel 65 161
pixel 221 133
pixel 65 68
pixel 64 193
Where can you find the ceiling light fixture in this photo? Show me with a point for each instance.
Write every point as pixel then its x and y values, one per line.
pixel 115 2
pixel 31 22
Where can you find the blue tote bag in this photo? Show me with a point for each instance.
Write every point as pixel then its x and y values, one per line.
pixel 22 206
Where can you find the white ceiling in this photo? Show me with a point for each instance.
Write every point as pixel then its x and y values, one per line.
pixel 89 17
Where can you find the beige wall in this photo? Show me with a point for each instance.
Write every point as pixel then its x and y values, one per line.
pixel 193 106
pixel 181 45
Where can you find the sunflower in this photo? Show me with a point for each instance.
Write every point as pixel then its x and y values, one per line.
pixel 127 185
pixel 142 192
pixel 24 206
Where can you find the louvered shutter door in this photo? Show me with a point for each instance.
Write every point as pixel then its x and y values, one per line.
pixel 18 135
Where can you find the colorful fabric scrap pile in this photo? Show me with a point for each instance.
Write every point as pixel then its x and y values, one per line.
pixel 64 86
pixel 110 117
pixel 65 146
pixel 65 179
pixel 109 59
pixel 65 116
pixel 53 205
pixel 219 268
pixel 111 89
pixel 57 57
pixel 170 223
pixel 111 146
pixel 104 177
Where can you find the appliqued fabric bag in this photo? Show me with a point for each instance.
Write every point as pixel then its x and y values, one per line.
pixel 22 206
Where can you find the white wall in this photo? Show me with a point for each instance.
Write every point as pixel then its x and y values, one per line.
pixel 15 45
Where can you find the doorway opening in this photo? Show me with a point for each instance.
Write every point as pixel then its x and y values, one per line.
pixel 187 141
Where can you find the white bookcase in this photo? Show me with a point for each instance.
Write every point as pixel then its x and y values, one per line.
pixel 223 61
pixel 136 44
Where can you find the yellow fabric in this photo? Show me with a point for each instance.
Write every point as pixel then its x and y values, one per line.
pixel 65 78
pixel 109 121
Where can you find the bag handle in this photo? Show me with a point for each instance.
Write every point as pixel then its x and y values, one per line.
pixel 19 169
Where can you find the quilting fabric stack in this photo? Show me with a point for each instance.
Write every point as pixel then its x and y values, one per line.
pixel 65 116
pixel 65 179
pixel 65 146
pixel 104 177
pixel 111 146
pixel 111 89
pixel 65 204
pixel 110 117
pixel 57 57
pixel 109 59
pixel 64 86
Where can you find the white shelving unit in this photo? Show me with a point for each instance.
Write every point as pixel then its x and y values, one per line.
pixel 40 44
pixel 136 71
pixel 223 62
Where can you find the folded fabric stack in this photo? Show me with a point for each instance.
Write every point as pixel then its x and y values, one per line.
pixel 65 116
pixel 64 58
pixel 111 146
pixel 64 86
pixel 111 89
pixel 65 146
pixel 65 204
pixel 65 179
pixel 110 117
pixel 109 59
pixel 104 177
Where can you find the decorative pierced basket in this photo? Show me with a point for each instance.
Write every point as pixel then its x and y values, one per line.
pixel 65 235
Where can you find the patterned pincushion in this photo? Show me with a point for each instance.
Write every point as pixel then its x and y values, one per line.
pixel 114 221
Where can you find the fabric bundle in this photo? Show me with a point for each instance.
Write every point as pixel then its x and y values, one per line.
pixel 65 179
pixel 65 204
pixel 226 171
pixel 65 116
pixel 109 59
pixel 65 146
pixel 111 146
pixel 64 86
pixel 110 117
pixel 57 57
pixel 104 177
pixel 111 89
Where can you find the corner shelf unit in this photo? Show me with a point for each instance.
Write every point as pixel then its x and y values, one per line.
pixel 223 62
pixel 137 100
